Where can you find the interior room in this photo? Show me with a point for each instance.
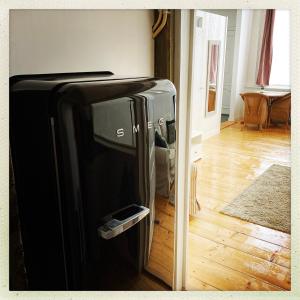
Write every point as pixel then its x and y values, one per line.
pixel 160 146
pixel 239 228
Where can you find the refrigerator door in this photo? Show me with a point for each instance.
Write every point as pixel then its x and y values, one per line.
pixel 110 182
pixel 126 158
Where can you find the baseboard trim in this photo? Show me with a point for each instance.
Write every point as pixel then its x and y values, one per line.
pixel 227 124
pixel 211 133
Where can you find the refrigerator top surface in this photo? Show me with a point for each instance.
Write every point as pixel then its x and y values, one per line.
pixel 48 81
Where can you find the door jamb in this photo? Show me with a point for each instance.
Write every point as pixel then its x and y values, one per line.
pixel 183 24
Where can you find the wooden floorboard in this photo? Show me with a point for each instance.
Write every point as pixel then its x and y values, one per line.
pixel 147 282
pixel 226 253
pixel 239 261
pixel 260 232
pixel 222 278
pixel 241 242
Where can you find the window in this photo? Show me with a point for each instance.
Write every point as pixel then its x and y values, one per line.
pixel 280 70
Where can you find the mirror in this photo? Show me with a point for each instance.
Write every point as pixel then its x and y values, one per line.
pixel 212 76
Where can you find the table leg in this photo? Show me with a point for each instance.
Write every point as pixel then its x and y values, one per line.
pixel 269 112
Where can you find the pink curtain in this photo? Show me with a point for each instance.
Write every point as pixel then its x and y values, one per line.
pixel 214 55
pixel 266 53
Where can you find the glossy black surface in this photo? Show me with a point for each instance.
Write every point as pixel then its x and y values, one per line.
pixel 82 148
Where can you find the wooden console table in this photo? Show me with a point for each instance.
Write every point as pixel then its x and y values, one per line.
pixel 271 97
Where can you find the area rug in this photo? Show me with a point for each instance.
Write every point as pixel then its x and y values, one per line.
pixel 267 201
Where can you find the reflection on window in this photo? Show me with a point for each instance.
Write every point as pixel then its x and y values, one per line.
pixel 280 71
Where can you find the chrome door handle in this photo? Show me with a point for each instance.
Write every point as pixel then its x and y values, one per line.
pixel 121 220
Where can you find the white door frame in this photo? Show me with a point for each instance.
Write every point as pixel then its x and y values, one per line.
pixel 183 128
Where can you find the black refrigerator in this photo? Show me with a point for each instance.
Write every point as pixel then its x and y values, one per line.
pixel 83 151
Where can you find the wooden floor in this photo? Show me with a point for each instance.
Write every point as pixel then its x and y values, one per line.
pixel 226 253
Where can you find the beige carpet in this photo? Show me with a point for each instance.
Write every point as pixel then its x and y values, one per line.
pixel 267 201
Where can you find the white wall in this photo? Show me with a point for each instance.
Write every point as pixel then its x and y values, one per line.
pixel 45 41
pixel 231 29
pixel 258 21
pixel 242 51
pixel 213 28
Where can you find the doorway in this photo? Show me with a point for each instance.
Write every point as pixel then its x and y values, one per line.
pixel 226 252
